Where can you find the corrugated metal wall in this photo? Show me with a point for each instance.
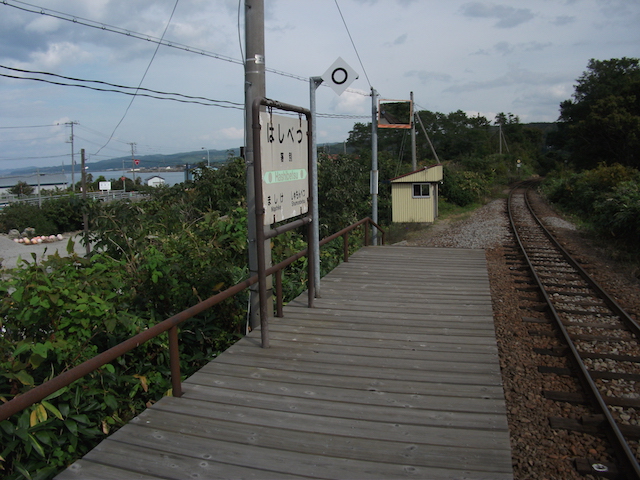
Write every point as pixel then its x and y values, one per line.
pixel 406 208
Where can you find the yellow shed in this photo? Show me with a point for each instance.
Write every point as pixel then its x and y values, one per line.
pixel 414 196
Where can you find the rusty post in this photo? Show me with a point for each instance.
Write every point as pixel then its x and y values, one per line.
pixel 279 294
pixel 366 233
pixel 345 246
pixel 174 361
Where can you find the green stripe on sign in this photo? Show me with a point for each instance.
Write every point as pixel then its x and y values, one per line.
pixel 281 176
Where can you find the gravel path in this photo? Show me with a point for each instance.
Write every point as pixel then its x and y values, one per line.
pixel 538 452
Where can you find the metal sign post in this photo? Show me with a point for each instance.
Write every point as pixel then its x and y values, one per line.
pixel 338 76
pixel 276 137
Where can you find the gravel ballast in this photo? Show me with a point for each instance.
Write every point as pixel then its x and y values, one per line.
pixel 538 451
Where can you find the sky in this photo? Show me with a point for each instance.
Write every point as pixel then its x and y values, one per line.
pixel 481 57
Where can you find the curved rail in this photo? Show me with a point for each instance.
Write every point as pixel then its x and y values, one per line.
pixel 625 455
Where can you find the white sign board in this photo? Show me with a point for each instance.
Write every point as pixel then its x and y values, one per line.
pixel 339 76
pixel 104 186
pixel 285 160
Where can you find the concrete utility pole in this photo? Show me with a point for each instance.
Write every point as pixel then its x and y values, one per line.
pixel 254 68
pixel 133 162
pixel 374 163
pixel 73 161
pixel 85 215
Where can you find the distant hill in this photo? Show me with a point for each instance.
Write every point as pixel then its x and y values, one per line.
pixel 146 161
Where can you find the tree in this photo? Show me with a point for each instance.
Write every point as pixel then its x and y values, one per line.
pixel 21 188
pixel 601 124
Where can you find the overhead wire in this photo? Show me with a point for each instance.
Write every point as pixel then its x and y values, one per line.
pixel 353 43
pixel 192 99
pixel 113 29
pixel 31 126
pixel 142 79
pixel 159 41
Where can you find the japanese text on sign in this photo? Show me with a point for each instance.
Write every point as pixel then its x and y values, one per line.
pixel 284 152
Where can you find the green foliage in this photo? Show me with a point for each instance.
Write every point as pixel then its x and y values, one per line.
pixel 343 192
pixel 619 213
pixel 21 189
pixel 21 215
pixel 158 257
pixel 602 122
pixel 463 187
pixel 55 216
pixel 606 198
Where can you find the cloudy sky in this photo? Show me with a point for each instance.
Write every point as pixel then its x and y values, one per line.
pixel 486 57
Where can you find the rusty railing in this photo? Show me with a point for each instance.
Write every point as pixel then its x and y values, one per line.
pixel 42 391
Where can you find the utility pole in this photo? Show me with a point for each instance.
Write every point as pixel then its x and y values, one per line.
pixel 133 162
pixel 73 161
pixel 374 162
pixel 414 159
pixel 254 68
pixel 85 215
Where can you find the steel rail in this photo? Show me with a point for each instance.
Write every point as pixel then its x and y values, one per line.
pixel 628 460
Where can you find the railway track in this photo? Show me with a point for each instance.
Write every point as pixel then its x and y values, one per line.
pixel 598 339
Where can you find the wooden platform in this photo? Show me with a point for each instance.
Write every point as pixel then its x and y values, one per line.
pixel 394 374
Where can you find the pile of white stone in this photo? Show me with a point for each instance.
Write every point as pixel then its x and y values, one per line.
pixel 29 237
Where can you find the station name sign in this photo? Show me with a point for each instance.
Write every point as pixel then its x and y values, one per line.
pixel 285 161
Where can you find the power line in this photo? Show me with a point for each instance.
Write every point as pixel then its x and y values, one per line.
pixel 100 82
pixel 354 45
pixel 112 29
pixel 31 126
pixel 140 36
pixel 142 79
pixel 212 103
pixel 149 38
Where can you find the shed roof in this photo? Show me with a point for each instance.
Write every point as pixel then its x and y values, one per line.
pixel 432 173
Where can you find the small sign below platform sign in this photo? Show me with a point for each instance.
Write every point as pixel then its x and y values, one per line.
pixel 285 160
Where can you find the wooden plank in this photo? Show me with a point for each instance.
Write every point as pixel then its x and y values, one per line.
pixel 336 426
pixel 160 433
pixel 217 371
pixel 393 374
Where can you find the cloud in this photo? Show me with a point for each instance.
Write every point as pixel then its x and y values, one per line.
pixel 506 48
pixel 63 53
pixel 507 17
pixel 232 133
pixel 563 20
pixel 426 77
pixel 515 76
pixel 352 101
pixel 400 40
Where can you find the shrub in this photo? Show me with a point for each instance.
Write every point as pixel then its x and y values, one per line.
pixel 463 187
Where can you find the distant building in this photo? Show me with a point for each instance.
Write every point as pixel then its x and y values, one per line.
pixel 38 182
pixel 155 181
pixel 414 196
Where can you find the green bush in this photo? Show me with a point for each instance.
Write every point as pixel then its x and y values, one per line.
pixel 579 191
pixel 462 187
pixel 55 216
pixel 618 215
pixel 20 215
pixel 606 198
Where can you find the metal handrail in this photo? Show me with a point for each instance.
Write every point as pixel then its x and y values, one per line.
pixel 39 393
